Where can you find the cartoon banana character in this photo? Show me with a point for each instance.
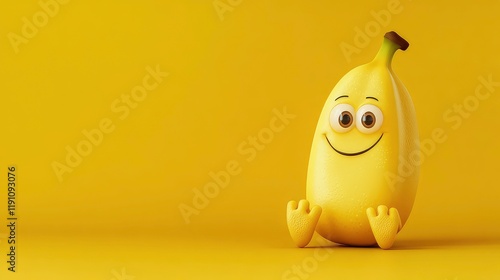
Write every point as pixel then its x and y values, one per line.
pixel 367 129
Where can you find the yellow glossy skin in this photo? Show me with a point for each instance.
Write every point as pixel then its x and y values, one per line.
pixel 356 174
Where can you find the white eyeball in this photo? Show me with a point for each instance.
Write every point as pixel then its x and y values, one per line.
pixel 370 119
pixel 342 118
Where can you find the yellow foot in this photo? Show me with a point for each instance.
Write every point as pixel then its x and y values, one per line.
pixel 385 225
pixel 302 222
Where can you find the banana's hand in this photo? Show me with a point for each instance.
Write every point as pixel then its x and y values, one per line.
pixel 302 221
pixel 385 225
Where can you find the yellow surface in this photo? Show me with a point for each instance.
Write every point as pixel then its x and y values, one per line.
pixel 231 76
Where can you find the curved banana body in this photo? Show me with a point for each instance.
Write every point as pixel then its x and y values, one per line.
pixel 365 155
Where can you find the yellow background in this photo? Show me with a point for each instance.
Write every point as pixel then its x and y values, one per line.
pixel 119 209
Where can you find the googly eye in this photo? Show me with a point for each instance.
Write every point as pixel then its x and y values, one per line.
pixel 342 118
pixel 370 119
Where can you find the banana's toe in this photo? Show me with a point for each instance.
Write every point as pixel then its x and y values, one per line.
pixel 385 225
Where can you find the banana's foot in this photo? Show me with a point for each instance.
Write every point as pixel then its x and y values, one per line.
pixel 302 221
pixel 385 225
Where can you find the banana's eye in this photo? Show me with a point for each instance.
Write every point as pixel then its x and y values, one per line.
pixel 370 118
pixel 342 117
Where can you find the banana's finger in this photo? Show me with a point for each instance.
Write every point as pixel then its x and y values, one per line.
pixel 382 210
pixel 316 212
pixel 292 205
pixel 371 212
pixel 304 205
pixel 393 212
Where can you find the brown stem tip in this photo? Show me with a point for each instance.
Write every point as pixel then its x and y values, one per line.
pixel 393 36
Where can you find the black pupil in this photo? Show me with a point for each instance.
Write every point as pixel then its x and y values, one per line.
pixel 368 119
pixel 345 119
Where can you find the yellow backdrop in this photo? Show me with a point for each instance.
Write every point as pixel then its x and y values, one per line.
pixel 163 139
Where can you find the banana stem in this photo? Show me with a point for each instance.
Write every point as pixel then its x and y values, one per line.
pixel 392 43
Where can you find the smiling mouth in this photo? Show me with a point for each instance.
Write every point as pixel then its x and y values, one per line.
pixel 356 153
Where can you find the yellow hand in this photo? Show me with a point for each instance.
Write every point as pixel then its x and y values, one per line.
pixel 302 221
pixel 385 225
